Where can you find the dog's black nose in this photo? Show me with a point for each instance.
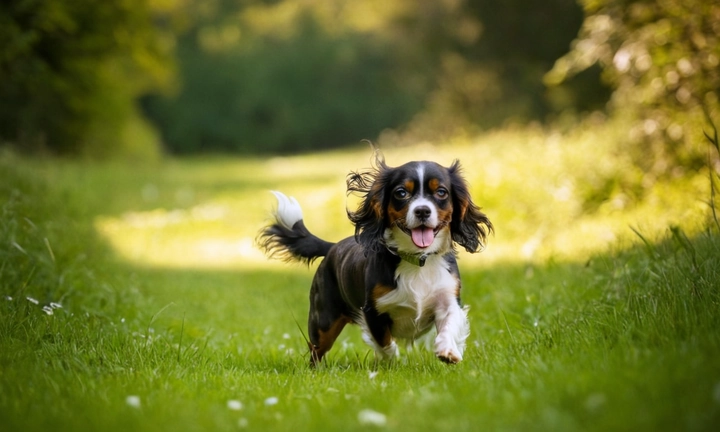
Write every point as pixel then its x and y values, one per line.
pixel 422 212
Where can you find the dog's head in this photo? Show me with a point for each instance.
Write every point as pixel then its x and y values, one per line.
pixel 416 208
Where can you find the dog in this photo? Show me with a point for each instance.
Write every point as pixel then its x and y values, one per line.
pixel 398 276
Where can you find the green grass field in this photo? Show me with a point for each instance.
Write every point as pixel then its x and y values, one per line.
pixel 133 297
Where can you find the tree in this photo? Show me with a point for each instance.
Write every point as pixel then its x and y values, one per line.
pixel 662 59
pixel 70 70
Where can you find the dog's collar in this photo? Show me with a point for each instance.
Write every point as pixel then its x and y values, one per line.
pixel 412 258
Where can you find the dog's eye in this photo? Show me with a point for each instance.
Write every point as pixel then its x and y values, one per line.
pixel 441 193
pixel 401 194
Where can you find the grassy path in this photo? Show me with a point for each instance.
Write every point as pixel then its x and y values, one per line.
pixel 162 319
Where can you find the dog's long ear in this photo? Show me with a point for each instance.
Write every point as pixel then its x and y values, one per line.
pixel 470 227
pixel 369 218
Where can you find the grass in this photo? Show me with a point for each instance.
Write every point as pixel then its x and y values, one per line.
pixel 170 320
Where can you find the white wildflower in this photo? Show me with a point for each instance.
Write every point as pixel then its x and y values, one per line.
pixel 372 374
pixel 32 300
pixel 55 305
pixel 133 401
pixel 48 310
pixel 370 417
pixel 234 405
pixel 271 401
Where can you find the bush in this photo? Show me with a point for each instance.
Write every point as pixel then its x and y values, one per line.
pixel 661 58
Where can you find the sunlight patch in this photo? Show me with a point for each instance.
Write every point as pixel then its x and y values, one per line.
pixel 574 204
pixel 202 236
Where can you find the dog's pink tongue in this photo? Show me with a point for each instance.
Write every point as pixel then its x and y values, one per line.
pixel 422 236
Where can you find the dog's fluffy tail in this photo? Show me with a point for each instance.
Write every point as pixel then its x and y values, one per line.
pixel 288 238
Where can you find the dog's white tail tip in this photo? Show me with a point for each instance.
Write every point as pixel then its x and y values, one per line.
pixel 288 211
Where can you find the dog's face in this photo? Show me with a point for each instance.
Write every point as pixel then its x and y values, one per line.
pixel 419 207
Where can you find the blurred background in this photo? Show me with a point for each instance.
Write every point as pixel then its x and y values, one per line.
pixel 139 140
pixel 146 78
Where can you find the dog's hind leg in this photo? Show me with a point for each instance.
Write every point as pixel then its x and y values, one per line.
pixel 327 316
pixel 323 334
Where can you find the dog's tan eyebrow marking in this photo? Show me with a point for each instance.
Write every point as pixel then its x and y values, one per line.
pixel 409 185
pixel 433 184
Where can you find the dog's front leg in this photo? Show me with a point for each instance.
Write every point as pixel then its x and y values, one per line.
pixel 453 329
pixel 376 333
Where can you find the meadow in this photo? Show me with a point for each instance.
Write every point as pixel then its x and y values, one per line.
pixel 134 298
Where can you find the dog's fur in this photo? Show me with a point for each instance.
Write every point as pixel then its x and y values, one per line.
pixel 398 276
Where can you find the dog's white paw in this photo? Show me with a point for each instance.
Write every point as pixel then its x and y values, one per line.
pixel 382 353
pixel 451 357
pixel 389 352
pixel 446 350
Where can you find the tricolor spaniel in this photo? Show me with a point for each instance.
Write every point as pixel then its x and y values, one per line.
pixel 398 276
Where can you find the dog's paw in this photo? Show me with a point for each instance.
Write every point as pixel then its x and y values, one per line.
pixel 389 352
pixel 449 356
pixel 447 350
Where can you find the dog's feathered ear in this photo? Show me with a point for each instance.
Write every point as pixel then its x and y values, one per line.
pixel 369 218
pixel 470 227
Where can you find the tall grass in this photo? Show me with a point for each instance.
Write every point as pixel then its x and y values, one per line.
pixel 568 332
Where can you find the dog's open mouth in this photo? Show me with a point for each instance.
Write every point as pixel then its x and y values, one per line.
pixel 423 236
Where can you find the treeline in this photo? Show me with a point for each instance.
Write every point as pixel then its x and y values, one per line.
pixel 289 75
pixel 71 73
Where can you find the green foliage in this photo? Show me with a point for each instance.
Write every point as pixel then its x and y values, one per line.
pixel 258 76
pixel 70 70
pixel 273 94
pixel 662 59
pixel 278 76
pixel 517 44
pixel 293 76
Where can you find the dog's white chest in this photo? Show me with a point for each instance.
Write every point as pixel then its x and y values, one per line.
pixel 420 290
